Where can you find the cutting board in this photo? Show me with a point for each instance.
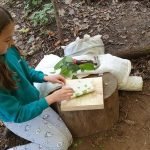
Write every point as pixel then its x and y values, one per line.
pixel 90 101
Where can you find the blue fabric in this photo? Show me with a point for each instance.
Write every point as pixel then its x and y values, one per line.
pixel 24 103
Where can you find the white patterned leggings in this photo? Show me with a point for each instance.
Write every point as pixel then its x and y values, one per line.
pixel 46 132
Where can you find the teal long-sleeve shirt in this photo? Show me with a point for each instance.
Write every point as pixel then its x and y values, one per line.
pixel 24 103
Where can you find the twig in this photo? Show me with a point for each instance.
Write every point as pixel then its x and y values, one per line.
pixel 145 94
pixel 58 22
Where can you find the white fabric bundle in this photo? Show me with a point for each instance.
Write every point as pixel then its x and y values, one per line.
pixel 120 68
pixel 86 48
pixel 134 83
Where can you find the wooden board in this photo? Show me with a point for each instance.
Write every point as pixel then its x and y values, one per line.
pixel 93 100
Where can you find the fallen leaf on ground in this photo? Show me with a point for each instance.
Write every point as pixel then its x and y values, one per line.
pixel 129 122
pixel 57 43
pixel 68 1
pixel 71 12
pixel 50 33
pixel 61 12
pixel 24 30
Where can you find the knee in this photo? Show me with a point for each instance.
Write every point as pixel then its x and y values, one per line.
pixel 64 142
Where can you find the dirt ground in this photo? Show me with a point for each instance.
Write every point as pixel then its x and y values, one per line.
pixel 123 25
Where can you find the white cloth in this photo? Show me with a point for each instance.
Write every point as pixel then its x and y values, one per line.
pixel 134 83
pixel 47 66
pixel 119 67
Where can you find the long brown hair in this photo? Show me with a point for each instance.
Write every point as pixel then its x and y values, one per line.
pixel 6 76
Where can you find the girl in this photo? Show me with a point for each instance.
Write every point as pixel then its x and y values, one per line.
pixel 21 109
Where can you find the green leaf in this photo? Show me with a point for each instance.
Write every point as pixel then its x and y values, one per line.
pixel 58 65
pixel 73 67
pixel 65 72
pixel 68 59
pixel 63 62
pixel 34 2
pixel 69 69
pixel 41 17
pixel 24 30
pixel 87 66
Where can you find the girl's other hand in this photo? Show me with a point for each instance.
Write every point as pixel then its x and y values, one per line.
pixel 63 94
pixel 55 79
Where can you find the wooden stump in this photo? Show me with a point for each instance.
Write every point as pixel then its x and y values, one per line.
pixel 88 122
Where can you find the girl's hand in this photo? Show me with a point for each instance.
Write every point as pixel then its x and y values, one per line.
pixel 63 94
pixel 55 79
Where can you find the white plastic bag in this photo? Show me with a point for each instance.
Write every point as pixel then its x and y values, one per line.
pixel 88 45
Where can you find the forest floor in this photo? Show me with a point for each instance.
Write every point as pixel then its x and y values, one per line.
pixel 123 25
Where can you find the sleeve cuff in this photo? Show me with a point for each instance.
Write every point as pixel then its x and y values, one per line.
pixel 41 77
pixel 43 103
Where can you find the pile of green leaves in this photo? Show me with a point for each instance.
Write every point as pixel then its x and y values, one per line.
pixel 31 5
pixel 41 12
pixel 43 16
pixel 69 69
